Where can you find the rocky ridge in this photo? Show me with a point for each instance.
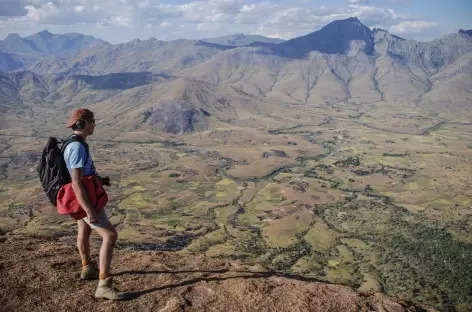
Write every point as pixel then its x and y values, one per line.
pixel 165 282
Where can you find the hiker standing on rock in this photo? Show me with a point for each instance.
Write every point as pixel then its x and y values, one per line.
pixel 79 163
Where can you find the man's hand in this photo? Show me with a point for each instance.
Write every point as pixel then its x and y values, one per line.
pixel 81 194
pixel 93 217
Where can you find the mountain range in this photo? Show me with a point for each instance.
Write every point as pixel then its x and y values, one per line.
pixel 344 62
pixel 16 51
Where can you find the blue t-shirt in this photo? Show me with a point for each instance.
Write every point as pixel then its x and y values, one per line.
pixel 75 155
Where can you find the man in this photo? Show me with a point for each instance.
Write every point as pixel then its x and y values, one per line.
pixel 79 163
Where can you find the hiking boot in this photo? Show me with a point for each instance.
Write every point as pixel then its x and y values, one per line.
pixel 89 272
pixel 105 291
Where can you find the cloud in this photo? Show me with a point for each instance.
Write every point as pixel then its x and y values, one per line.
pixel 275 33
pixel 165 24
pixel 123 20
pixel 413 27
pixel 79 8
pixel 51 13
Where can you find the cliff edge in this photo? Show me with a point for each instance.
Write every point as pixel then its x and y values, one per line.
pixel 38 274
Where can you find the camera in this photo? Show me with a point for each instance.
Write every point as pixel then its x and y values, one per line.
pixel 104 181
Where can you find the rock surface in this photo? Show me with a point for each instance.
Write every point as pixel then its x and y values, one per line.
pixel 42 275
pixel 177 117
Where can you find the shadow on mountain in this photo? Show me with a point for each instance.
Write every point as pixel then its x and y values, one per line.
pixel 215 45
pixel 240 275
pixel 271 49
pixel 121 81
pixel 250 274
pixel 338 37
pixel 206 278
pixel 12 61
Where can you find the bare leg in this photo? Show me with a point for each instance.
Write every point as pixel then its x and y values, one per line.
pixel 109 237
pixel 83 240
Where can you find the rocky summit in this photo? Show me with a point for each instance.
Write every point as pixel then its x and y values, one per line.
pixel 43 275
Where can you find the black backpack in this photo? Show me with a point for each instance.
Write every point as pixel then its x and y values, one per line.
pixel 52 168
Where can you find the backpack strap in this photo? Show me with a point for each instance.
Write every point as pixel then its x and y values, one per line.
pixel 75 138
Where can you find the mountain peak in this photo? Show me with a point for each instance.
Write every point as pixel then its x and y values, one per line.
pixel 377 29
pixel 45 34
pixel 352 19
pixel 13 43
pixel 348 22
pixel 13 36
pixel 336 37
pixel 465 32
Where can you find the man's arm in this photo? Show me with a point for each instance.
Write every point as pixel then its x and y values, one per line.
pixel 81 194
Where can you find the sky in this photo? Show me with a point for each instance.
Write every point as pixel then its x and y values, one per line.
pixel 118 21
